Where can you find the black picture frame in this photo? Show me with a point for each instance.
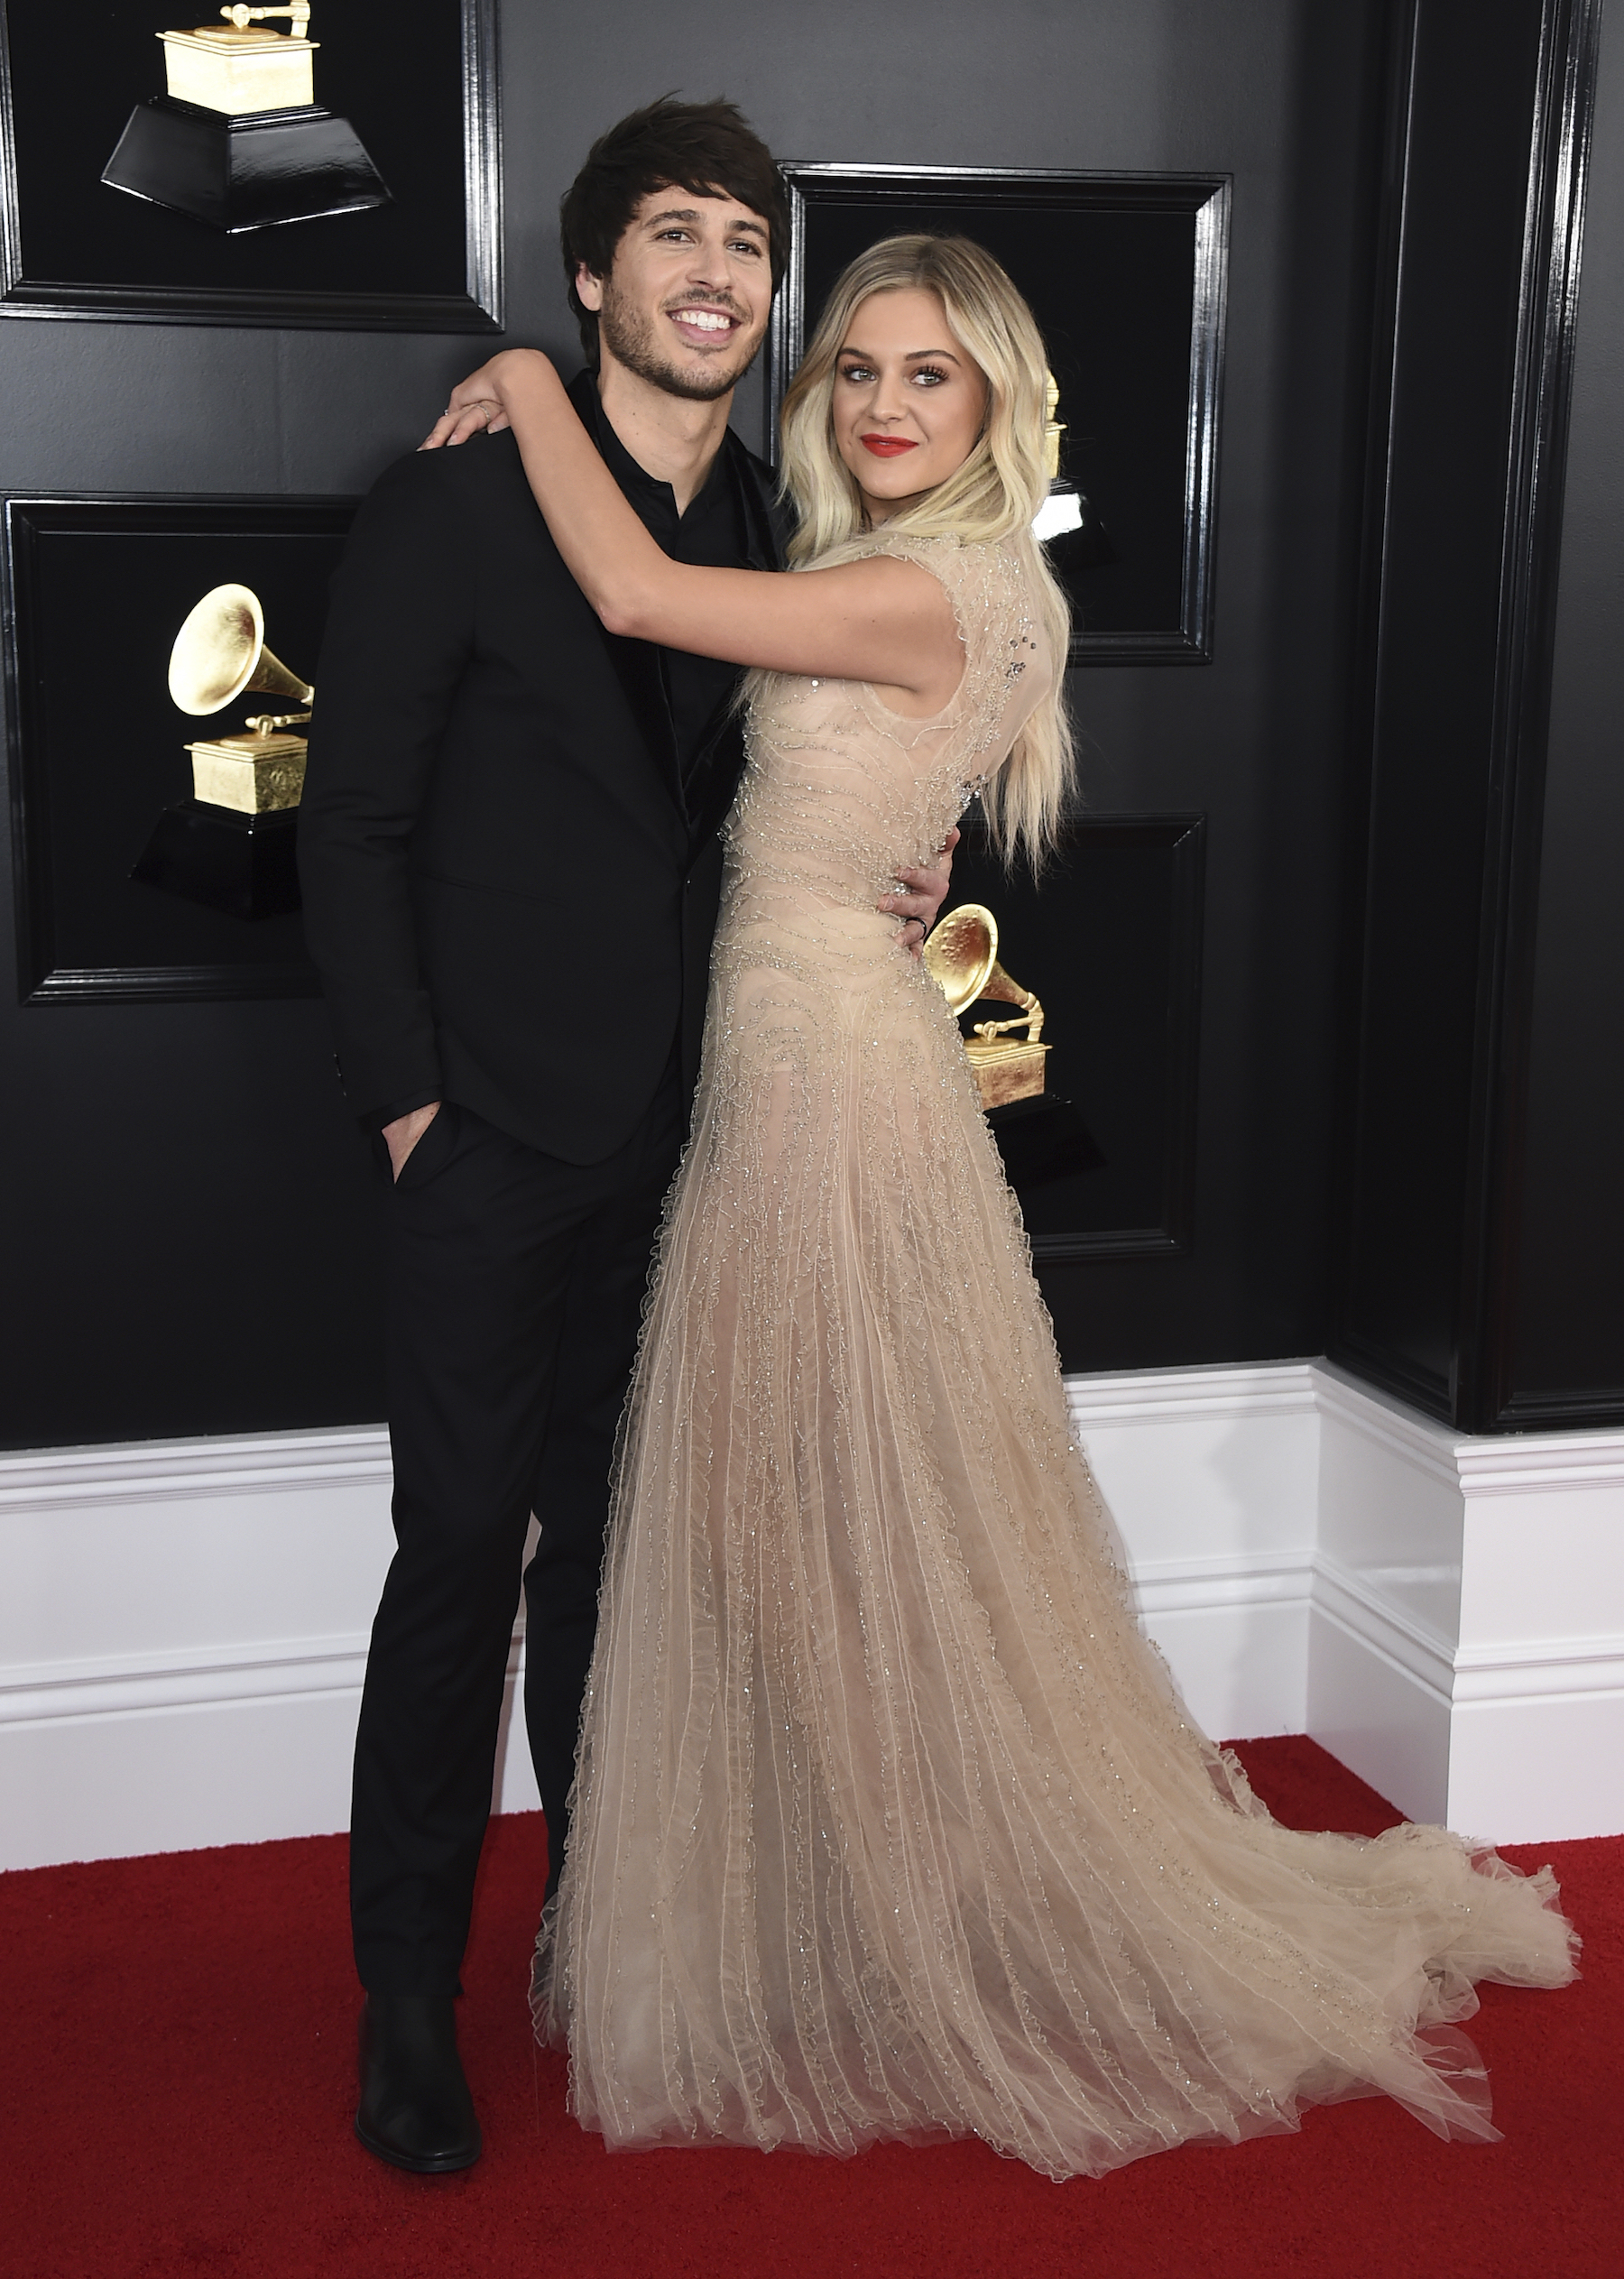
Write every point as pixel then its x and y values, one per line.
pixel 426 101
pixel 1110 939
pixel 96 586
pixel 1127 275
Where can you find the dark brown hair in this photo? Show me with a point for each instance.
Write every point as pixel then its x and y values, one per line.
pixel 709 148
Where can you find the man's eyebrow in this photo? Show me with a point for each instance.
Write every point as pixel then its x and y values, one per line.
pixel 691 214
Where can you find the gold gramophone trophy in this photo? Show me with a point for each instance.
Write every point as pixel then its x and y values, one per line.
pixel 963 957
pixel 1039 1136
pixel 230 846
pixel 1066 522
pixel 238 140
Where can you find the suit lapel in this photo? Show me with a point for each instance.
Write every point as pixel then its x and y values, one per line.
pixel 758 507
pixel 636 665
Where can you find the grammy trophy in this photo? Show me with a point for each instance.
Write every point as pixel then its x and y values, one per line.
pixel 230 846
pixel 238 140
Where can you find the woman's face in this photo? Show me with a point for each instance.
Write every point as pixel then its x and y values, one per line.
pixel 909 400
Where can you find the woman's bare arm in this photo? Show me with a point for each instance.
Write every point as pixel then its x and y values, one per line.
pixel 883 620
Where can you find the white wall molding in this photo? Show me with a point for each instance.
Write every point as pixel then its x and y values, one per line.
pixel 183 1633
pixel 1467 1617
pixel 1159 1395
pixel 1423 1655
pixel 1446 1613
pixel 1210 1475
pixel 166 1470
pixel 183 1624
pixel 1548 1462
pixel 1541 1670
pixel 1193 1586
pixel 140 1682
pixel 1414 1440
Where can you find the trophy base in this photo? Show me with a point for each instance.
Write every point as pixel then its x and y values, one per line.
pixel 251 171
pixel 1006 1068
pixel 1042 1139
pixel 242 864
pixel 253 774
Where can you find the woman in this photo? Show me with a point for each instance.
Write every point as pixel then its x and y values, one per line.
pixel 888 1821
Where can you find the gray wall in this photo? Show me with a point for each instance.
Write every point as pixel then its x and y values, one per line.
pixel 158 1303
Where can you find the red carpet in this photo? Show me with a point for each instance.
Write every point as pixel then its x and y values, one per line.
pixel 177 2080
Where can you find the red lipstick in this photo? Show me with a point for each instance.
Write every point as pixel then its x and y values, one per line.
pixel 887 447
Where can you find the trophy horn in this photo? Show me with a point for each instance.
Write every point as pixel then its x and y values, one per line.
pixel 962 955
pixel 220 653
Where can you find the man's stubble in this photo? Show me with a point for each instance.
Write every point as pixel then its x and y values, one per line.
pixel 629 335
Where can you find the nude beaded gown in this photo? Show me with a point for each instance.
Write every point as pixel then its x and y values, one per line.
pixel 888 1821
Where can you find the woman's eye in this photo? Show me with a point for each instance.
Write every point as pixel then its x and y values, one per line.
pixel 856 373
pixel 929 373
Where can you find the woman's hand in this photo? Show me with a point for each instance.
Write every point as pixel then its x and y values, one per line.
pixel 920 894
pixel 479 403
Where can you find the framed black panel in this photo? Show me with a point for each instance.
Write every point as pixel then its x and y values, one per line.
pixel 1110 939
pixel 96 591
pixel 416 90
pixel 1126 275
pixel 1487 143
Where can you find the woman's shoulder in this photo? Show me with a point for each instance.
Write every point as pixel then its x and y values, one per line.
pixel 987 579
pixel 963 565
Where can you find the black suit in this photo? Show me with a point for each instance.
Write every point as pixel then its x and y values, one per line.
pixel 508 849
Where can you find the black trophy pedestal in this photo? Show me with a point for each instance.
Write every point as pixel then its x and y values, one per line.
pixel 1042 1139
pixel 246 172
pixel 242 864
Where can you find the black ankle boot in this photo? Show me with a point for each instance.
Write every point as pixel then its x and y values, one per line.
pixel 415 2108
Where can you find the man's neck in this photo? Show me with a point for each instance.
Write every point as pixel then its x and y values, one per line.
pixel 671 438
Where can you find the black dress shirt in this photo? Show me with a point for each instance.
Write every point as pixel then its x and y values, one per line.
pixel 710 535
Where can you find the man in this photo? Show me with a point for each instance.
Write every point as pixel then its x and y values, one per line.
pixel 508 848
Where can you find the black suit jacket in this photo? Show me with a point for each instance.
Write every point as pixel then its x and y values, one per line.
pixel 508 903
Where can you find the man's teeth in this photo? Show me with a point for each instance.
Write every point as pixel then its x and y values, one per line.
pixel 705 318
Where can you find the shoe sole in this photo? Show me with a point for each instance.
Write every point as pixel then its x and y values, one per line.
pixel 436 2164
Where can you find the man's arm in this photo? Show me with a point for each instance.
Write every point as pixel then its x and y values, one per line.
pixel 399 634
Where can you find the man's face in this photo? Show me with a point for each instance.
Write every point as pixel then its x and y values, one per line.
pixel 687 296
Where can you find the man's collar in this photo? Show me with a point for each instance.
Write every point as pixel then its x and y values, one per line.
pixel 582 393
pixel 766 528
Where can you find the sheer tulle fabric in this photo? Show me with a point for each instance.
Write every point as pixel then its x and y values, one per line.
pixel 888 1821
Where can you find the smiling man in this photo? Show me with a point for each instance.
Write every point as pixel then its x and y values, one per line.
pixel 508 846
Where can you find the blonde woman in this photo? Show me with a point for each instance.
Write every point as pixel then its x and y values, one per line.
pixel 887 1822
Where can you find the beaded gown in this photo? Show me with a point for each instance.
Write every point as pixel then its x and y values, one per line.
pixel 888 1821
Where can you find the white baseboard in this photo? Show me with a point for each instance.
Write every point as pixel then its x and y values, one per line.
pixel 183 1625
pixel 1210 1475
pixel 1466 1646
pixel 183 1634
pixel 1446 1614
pixel 183 1629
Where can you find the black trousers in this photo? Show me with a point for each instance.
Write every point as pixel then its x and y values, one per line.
pixel 516 1285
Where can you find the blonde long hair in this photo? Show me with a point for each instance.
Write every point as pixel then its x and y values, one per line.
pixel 991 498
